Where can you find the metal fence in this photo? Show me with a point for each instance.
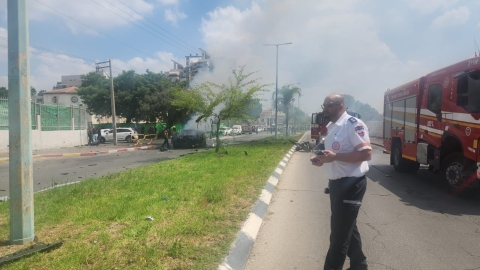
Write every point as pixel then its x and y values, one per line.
pixel 52 117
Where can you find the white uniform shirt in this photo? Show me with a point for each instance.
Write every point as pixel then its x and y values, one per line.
pixel 347 135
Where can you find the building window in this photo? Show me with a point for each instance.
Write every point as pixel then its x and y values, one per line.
pixel 55 99
pixel 74 99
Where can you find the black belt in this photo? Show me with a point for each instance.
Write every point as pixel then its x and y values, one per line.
pixel 339 180
pixel 347 177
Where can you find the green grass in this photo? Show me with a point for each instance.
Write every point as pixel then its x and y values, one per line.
pixel 198 203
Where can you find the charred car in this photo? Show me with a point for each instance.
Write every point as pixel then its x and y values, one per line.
pixel 189 138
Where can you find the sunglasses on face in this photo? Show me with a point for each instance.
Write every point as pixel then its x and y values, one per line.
pixel 326 106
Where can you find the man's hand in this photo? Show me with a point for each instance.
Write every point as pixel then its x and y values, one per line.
pixel 316 161
pixel 327 157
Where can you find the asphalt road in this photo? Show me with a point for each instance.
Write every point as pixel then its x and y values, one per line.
pixel 406 221
pixel 50 172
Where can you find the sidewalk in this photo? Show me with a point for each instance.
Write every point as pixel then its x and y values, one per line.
pixel 376 141
pixel 85 150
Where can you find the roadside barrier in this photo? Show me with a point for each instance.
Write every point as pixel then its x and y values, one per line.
pixel 145 137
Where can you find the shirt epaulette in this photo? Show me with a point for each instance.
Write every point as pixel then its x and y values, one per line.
pixel 352 120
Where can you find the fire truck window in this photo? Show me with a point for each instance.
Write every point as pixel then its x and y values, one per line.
pixel 474 92
pixel 435 98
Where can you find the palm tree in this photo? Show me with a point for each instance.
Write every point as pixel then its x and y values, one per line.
pixel 286 98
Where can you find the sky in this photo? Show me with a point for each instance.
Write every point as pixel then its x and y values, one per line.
pixel 356 47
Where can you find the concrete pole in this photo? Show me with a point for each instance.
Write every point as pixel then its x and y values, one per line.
pixel 276 97
pixel 276 87
pixel 293 118
pixel 112 94
pixel 20 125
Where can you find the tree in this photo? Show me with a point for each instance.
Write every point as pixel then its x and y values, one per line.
pixel 161 105
pixel 286 98
pixel 3 92
pixel 254 109
pixel 40 93
pixel 95 93
pixel 222 102
pixel 365 110
pixel 138 97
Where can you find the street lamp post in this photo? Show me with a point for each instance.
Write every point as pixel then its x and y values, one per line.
pixel 293 109
pixel 276 87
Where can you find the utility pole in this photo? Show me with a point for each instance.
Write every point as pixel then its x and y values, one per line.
pixel 112 96
pixel 298 103
pixel 293 118
pixel 20 126
pixel 276 88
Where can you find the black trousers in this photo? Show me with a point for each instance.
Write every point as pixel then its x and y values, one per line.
pixel 346 195
pixel 165 143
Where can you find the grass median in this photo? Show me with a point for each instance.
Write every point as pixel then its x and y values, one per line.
pixel 198 203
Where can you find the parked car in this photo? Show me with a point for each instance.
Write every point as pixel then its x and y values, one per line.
pixel 190 138
pixel 237 129
pixel 223 131
pixel 123 134
pixel 104 132
pixel 229 132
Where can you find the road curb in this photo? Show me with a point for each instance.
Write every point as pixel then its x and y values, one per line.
pixel 85 154
pixel 377 144
pixel 241 247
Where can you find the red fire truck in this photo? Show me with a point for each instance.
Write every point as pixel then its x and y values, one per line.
pixel 246 129
pixel 318 128
pixel 435 120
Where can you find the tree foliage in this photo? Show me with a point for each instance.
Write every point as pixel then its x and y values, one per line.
pixel 3 92
pixel 286 96
pixel 222 102
pixel 138 97
pixel 365 110
pixel 254 109
pixel 95 93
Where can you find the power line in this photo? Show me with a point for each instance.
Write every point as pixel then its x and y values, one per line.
pixel 95 29
pixel 157 25
pixel 56 57
pixel 55 51
pixel 179 44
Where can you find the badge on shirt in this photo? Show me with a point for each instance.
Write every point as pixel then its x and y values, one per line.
pixel 360 131
pixel 336 146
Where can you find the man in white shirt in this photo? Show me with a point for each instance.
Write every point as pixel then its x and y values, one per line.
pixel 347 149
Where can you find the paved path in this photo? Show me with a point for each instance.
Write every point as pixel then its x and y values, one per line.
pixel 407 222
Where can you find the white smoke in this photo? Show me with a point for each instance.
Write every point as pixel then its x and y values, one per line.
pixel 336 48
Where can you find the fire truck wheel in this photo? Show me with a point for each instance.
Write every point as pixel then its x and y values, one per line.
pixel 400 164
pixel 452 170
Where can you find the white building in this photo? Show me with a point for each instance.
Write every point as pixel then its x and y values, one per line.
pixel 74 80
pixel 64 97
pixel 267 118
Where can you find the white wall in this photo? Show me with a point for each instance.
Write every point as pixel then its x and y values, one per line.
pixel 64 99
pixel 50 139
